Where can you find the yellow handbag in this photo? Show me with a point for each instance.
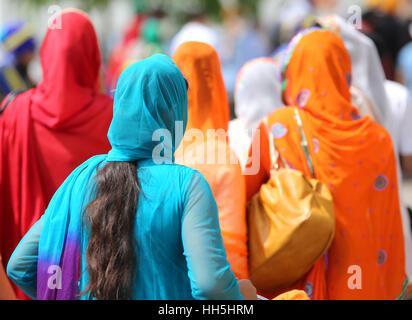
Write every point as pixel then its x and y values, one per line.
pixel 291 223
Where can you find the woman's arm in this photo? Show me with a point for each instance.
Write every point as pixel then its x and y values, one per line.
pixel 22 266
pixel 209 271
pixel 260 153
pixel 230 196
pixel 6 290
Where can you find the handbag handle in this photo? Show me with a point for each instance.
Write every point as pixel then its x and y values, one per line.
pixel 274 153
pixel 304 143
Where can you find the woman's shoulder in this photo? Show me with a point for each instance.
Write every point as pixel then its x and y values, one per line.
pixel 181 178
pixel 282 118
pixel 185 173
pixel 87 168
pixel 378 133
pixel 281 114
pixel 235 124
pixel 192 183
pixel 189 178
pixel 104 99
pixel 104 103
pixel 13 109
pixel 177 173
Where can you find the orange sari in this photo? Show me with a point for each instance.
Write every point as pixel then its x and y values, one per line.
pixel 354 156
pixel 210 154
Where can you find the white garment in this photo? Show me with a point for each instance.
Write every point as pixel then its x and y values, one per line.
pixel 194 31
pixel 257 93
pixel 239 141
pixel 367 70
pixel 361 101
pixel 401 109
pixel 401 115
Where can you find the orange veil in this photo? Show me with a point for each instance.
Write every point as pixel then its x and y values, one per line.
pixel 210 154
pixel 208 101
pixel 354 156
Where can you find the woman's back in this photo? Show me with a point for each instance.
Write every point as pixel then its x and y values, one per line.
pixel 171 205
pixel 158 232
pixel 168 193
pixel 368 233
pixel 141 226
pixel 46 132
pixel 353 156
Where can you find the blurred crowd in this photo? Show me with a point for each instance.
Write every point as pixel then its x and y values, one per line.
pixel 239 31
pixel 234 67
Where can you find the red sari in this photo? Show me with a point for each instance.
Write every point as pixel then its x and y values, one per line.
pixel 46 132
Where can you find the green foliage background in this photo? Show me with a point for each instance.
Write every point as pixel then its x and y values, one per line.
pixel 212 7
pixel 87 4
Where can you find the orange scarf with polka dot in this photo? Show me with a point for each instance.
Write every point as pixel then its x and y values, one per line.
pixel 354 156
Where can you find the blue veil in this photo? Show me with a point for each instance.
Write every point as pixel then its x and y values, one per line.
pixel 149 120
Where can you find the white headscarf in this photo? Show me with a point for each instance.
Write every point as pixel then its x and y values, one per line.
pixel 195 31
pixel 257 93
pixel 367 70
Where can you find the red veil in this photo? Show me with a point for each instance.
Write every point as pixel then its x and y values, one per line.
pixel 48 131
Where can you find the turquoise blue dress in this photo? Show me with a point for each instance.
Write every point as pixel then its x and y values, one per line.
pixel 180 253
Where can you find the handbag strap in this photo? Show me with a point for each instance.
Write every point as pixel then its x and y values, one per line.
pixel 8 99
pixel 274 153
pixel 304 143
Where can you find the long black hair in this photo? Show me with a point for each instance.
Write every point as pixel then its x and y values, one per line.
pixel 110 254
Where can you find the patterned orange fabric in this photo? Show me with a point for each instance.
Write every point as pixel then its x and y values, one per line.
pixel 355 157
pixel 210 154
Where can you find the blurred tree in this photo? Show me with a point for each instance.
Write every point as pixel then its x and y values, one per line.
pixel 84 4
pixel 211 7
